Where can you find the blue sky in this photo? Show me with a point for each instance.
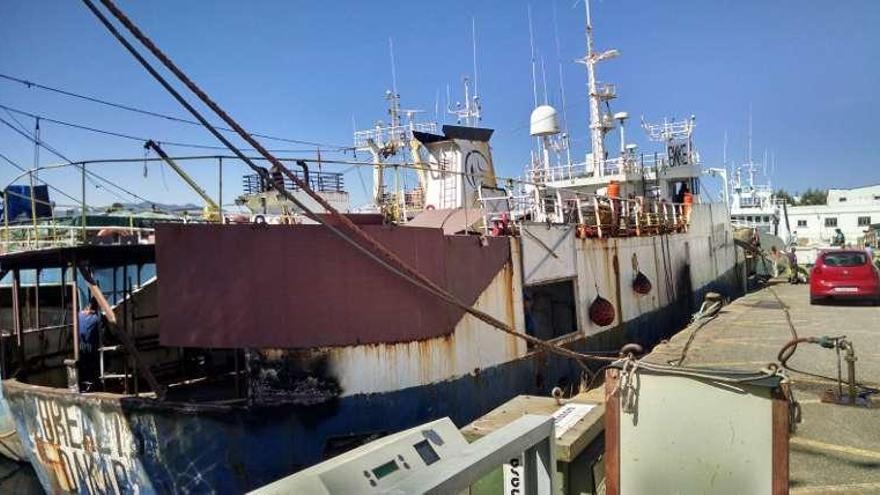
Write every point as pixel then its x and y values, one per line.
pixel 305 70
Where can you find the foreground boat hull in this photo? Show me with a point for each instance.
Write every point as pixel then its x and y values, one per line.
pixel 104 443
pixel 10 445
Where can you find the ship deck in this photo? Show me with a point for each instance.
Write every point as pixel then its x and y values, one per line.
pixel 836 448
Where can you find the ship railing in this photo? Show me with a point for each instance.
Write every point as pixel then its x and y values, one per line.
pixel 644 164
pixel 382 135
pixel 596 215
pixel 318 181
pixel 23 237
pixel 606 91
pixel 666 130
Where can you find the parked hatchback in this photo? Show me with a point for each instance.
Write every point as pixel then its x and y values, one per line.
pixel 844 273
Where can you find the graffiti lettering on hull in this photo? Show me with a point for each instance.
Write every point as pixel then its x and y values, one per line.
pixel 84 453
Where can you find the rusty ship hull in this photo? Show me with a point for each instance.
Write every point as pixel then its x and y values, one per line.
pixel 379 358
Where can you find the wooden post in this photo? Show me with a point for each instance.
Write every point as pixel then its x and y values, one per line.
pixel 612 432
pixel 780 452
pixel 598 216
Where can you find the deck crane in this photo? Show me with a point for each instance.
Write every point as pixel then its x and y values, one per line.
pixel 211 211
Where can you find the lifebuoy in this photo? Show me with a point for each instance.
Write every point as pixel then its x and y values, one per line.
pixel 430 207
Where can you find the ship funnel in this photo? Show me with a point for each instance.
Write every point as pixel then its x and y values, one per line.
pixel 544 121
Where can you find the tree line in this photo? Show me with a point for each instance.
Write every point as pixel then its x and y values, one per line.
pixel 809 197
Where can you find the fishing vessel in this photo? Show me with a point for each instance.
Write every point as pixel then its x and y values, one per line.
pixel 754 205
pixel 261 348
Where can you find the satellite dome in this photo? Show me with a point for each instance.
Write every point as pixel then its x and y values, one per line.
pixel 544 121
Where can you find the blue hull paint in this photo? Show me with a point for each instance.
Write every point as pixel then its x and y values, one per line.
pixel 188 449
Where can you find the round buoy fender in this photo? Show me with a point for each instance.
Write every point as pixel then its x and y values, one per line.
pixel 641 284
pixel 601 312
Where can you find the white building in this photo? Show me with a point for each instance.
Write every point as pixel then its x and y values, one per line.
pixel 850 210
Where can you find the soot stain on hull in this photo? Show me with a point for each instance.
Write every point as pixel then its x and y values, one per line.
pixel 180 447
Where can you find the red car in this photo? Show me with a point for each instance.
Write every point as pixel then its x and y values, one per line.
pixel 844 273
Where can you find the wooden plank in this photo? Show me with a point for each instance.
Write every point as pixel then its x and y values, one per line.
pixel 612 432
pixel 780 445
pixel 568 446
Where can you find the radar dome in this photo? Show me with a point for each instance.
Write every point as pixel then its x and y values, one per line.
pixel 544 121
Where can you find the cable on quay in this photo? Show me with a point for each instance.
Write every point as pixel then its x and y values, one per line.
pixel 700 319
pixel 787 351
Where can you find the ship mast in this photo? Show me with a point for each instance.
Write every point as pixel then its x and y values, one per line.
pixel 597 143
pixel 598 126
pixel 471 112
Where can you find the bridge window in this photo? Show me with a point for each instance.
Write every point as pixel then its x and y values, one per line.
pixel 831 221
pixel 802 223
pixel 864 221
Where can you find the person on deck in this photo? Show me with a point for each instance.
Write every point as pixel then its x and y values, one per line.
pixel 793 275
pixel 89 322
pixel 683 191
pixel 839 238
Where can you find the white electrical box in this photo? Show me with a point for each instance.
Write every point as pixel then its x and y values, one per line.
pixel 431 458
pixel 683 434
pixel 378 464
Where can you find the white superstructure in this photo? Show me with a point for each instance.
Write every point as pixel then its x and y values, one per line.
pixel 850 210
pixel 646 179
pixel 753 204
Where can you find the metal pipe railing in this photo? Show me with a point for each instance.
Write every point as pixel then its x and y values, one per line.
pixel 605 216
pixel 52 235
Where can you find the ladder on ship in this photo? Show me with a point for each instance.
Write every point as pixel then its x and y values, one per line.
pixel 107 352
pixel 449 194
pixel 106 375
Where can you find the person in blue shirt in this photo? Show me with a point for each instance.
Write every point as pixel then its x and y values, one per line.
pixel 90 323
